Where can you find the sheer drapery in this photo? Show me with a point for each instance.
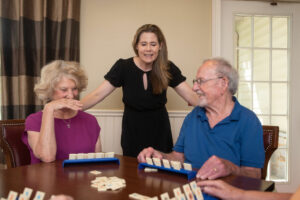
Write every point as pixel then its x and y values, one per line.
pixel 33 33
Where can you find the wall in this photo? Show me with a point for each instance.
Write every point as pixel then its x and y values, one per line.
pixel 108 26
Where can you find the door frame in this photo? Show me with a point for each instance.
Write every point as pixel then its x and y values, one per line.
pixel 294 98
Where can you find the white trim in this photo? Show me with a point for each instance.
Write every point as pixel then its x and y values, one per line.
pixel 105 113
pixel 216 28
pixel 111 127
pixel 119 113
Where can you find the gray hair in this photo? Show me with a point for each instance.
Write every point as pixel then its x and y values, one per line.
pixel 225 69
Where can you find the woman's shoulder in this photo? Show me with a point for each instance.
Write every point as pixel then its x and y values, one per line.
pixel 172 64
pixel 85 115
pixel 122 65
pixel 176 75
pixel 35 116
pixel 125 61
pixel 173 68
pixel 33 121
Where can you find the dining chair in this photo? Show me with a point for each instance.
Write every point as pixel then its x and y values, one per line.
pixel 15 151
pixel 271 135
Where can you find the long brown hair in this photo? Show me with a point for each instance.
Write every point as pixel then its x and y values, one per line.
pixel 159 75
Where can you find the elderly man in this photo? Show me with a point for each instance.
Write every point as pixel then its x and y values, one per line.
pixel 219 136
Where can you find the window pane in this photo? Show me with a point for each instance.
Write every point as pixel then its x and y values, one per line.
pixel 279 32
pixel 243 31
pixel 261 98
pixel 282 122
pixel 264 120
pixel 261 31
pixel 262 64
pixel 261 61
pixel 279 98
pixel 278 165
pixel 244 64
pixel 244 94
pixel 279 65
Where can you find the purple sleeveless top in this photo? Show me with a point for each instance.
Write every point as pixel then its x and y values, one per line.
pixel 81 137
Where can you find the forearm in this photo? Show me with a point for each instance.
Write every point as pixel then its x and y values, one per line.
pixel 248 171
pixel 186 92
pixel 193 99
pixel 97 95
pixel 254 195
pixel 45 148
pixel 98 147
pixel 90 100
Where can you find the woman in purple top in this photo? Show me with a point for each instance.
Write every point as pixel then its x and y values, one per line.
pixel 61 127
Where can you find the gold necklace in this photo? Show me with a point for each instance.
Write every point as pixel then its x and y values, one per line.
pixel 68 123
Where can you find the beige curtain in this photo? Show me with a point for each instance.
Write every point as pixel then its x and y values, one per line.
pixel 33 33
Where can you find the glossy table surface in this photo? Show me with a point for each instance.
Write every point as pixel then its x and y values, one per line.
pixel 75 180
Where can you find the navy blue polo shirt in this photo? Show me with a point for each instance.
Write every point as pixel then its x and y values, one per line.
pixel 237 138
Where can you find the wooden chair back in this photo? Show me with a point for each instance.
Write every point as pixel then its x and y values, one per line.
pixel 15 151
pixel 271 135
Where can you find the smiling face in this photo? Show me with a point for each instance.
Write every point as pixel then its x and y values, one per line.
pixel 148 48
pixel 66 88
pixel 211 87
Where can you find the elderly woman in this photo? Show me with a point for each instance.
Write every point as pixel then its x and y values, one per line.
pixel 61 127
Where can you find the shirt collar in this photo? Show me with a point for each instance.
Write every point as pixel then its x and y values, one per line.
pixel 234 116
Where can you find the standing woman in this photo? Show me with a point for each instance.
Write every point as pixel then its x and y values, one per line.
pixel 144 80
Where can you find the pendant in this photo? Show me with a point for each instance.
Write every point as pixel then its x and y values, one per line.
pixel 68 123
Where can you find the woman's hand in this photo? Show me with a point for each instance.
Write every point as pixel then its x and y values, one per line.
pixel 61 197
pixel 220 189
pixel 63 103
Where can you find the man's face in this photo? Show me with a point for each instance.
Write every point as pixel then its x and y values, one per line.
pixel 207 84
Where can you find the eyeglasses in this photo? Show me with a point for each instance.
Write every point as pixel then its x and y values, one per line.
pixel 200 81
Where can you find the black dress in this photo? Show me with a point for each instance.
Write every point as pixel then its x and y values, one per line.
pixel 145 120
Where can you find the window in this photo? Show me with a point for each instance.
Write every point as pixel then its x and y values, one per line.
pixel 262 49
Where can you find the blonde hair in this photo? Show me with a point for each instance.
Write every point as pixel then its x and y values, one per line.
pixel 160 75
pixel 53 73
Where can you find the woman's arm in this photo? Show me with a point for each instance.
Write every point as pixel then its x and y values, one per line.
pixel 186 92
pixel 96 96
pixel 225 191
pixel 98 147
pixel 43 143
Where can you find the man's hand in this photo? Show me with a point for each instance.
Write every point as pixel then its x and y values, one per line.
pixel 148 152
pixel 216 167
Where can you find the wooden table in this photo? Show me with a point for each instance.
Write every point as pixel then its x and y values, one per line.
pixel 75 180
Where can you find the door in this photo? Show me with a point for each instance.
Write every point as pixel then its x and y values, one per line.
pixel 269 72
